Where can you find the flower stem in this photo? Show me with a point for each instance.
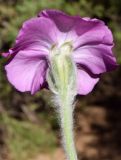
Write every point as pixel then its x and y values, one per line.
pixel 61 78
pixel 66 117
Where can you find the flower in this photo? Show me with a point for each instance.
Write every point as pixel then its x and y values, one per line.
pixel 90 42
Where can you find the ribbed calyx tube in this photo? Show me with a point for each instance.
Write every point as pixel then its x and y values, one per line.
pixel 61 78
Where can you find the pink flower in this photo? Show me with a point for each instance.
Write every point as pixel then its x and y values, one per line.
pixel 91 42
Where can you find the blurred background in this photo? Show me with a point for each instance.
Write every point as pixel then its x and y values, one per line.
pixel 29 127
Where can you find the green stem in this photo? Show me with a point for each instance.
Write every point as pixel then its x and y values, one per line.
pixel 61 78
pixel 66 116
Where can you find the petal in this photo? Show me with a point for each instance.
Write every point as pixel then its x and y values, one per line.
pixel 63 22
pixel 92 32
pixel 37 34
pixel 5 54
pixel 26 73
pixel 85 82
pixel 96 58
pixel 81 31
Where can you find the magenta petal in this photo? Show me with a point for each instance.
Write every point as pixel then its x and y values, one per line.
pixel 63 21
pixel 37 34
pixel 97 59
pixel 85 82
pixel 81 31
pixel 92 32
pixel 64 24
pixel 5 54
pixel 26 73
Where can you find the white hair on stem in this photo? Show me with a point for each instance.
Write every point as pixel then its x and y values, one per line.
pixel 61 78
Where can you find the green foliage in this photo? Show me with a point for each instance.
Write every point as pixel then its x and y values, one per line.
pixel 25 139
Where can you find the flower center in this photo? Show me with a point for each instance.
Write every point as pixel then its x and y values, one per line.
pixel 63 50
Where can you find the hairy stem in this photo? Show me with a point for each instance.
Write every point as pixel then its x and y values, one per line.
pixel 66 117
pixel 61 78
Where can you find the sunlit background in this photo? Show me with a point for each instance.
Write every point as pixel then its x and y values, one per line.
pixel 29 127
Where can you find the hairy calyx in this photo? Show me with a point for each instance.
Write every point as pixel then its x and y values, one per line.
pixel 61 78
